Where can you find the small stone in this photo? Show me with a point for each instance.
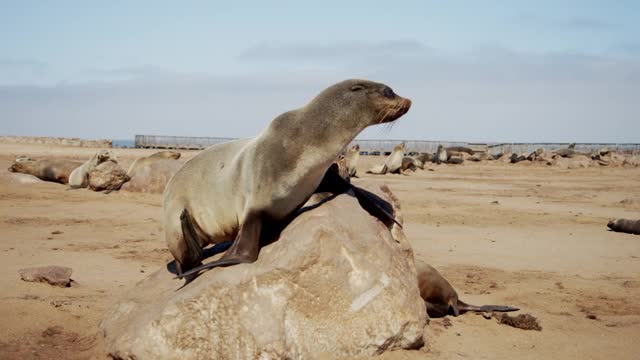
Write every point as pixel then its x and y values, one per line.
pixel 53 275
pixel 57 232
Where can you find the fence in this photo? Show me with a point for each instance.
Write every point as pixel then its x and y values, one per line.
pixel 385 146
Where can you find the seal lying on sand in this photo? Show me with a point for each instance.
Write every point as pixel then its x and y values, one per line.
pixel 569 151
pixel 146 160
pixel 440 297
pixel 239 189
pixel 79 177
pixel 393 163
pixel 625 225
pixel 56 170
pixel 352 157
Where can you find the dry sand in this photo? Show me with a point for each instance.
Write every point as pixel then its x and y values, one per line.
pixel 543 247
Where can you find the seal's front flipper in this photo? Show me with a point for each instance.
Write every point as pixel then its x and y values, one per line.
pixel 244 249
pixel 332 182
pixel 375 206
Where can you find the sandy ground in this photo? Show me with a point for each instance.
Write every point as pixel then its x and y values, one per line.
pixel 530 237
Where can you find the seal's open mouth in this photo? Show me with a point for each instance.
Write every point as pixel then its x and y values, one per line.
pixel 393 110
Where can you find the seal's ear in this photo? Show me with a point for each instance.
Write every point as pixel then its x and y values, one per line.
pixel 357 87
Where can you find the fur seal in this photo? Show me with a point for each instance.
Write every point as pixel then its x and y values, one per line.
pixel 460 149
pixel 441 155
pixel 625 226
pixel 79 177
pixel 425 158
pixel 56 170
pixel 409 163
pixel 441 299
pixel 242 188
pixel 569 151
pixel 352 157
pixel 145 160
pixel 393 163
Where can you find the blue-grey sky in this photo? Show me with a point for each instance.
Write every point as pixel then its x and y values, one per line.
pixel 501 70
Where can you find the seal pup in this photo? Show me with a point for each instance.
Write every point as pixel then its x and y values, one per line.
pixel 146 160
pixel 55 170
pixel 240 189
pixel 79 177
pixel 441 299
pixel 625 226
pixel 393 163
pixel 352 157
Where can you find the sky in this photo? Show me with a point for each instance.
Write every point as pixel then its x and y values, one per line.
pixel 481 71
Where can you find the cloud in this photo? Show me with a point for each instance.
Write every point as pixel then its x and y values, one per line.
pixel 572 23
pixel 582 23
pixel 487 94
pixel 315 52
pixel 14 71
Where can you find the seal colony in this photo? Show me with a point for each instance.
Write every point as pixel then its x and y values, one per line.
pixel 236 190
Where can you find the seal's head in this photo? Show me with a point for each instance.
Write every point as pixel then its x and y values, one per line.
pixel 363 103
pixel 21 166
pixel 106 155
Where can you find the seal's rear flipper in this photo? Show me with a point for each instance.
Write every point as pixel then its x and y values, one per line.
pixel 244 249
pixel 497 308
pixel 194 250
pixel 464 307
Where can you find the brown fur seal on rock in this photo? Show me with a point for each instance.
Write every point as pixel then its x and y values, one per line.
pixel 393 163
pixel 625 226
pixel 56 170
pixel 146 160
pixel 79 177
pixel 243 188
pixel 352 157
pixel 440 297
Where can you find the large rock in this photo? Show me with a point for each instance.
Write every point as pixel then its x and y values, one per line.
pixel 336 283
pixel 107 176
pixel 152 177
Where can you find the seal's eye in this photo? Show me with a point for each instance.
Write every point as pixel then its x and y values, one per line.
pixel 388 93
pixel 357 87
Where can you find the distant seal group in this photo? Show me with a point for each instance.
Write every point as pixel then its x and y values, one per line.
pixel 235 190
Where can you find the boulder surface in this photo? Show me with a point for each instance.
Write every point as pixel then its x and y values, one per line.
pixel 107 176
pixel 336 283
